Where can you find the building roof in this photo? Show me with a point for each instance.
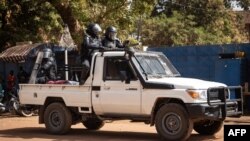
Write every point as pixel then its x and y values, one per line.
pixel 19 53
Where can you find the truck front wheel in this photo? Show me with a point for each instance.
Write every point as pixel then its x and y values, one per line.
pixel 57 118
pixel 208 127
pixel 172 122
pixel 93 123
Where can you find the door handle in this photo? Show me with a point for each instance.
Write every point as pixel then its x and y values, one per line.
pixel 106 88
pixel 131 89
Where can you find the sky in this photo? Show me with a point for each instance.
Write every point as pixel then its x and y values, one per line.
pixel 235 7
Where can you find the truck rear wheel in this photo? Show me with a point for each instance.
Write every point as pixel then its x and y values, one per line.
pixel 93 123
pixel 208 127
pixel 57 118
pixel 172 122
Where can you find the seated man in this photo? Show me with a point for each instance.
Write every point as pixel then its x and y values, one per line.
pixel 48 67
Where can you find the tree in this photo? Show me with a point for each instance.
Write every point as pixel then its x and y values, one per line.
pixel 123 14
pixel 172 22
pixel 245 4
pixel 192 22
pixel 44 20
pixel 28 20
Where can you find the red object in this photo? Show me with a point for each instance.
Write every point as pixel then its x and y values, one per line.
pixel 57 82
pixel 51 82
pixel 10 82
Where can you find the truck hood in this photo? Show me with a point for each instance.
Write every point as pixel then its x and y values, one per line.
pixel 187 83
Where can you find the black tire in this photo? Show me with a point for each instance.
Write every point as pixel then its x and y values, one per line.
pixel 93 123
pixel 172 122
pixel 57 118
pixel 208 127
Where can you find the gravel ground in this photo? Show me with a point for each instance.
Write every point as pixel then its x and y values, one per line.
pixel 13 128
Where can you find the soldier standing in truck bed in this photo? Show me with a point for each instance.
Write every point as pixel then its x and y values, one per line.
pixel 110 39
pixel 91 44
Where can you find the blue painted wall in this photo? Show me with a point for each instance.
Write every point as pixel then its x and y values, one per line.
pixel 203 62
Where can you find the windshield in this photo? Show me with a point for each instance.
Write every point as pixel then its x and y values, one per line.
pixel 154 64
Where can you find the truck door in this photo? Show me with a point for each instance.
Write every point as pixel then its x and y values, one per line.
pixel 120 89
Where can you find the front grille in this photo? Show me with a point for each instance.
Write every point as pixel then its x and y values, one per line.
pixel 218 94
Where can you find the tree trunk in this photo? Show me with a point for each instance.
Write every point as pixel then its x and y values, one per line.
pixel 65 11
pixel 3 18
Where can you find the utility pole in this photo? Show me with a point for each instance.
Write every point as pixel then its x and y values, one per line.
pixel 139 25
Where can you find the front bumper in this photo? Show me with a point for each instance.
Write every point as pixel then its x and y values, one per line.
pixel 218 110
pixel 214 112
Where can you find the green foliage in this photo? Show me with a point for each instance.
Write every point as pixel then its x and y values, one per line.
pixel 43 20
pixel 28 20
pixel 181 22
pixel 176 30
pixel 193 23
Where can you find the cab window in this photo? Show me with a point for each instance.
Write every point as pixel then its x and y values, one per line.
pixel 117 68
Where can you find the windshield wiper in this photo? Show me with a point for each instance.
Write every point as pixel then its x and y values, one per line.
pixel 157 76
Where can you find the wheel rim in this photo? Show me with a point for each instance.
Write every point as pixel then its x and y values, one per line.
pixel 55 119
pixel 171 123
pixel 27 112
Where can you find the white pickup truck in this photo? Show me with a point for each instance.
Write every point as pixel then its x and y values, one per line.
pixel 138 86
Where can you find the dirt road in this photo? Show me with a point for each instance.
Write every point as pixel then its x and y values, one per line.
pixel 13 128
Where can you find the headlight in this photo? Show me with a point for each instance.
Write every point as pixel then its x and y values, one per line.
pixel 198 94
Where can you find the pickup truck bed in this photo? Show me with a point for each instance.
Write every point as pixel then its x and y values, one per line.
pixel 72 95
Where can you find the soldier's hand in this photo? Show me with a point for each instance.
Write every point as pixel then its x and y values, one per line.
pixel 126 42
pixel 101 48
